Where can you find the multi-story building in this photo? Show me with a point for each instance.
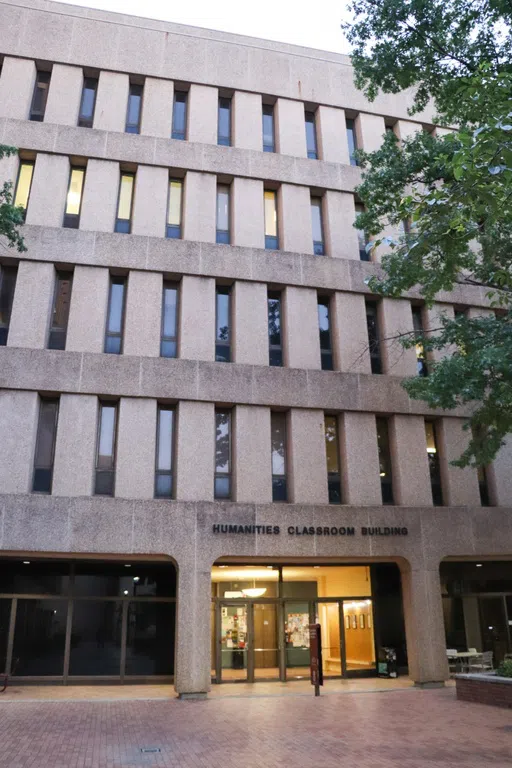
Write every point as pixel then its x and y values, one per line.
pixel 204 441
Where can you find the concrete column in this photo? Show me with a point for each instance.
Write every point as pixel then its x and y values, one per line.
pixel 247 120
pixel 339 231
pixel 460 486
pixel 500 476
pixel 472 623
pixel 248 222
pixel 192 674
pixel 409 461
pixel 250 323
pixel 195 451
pixel 48 192
pixel 17 87
pixel 306 449
pixel 150 201
pixel 9 169
pixel 75 447
pixel 359 459
pixel 136 445
pixel 395 318
pixel 64 95
pixel 197 318
pixel 88 310
pixel 156 118
pixel 350 333
pixel 251 448
pixel 18 427
pixel 405 129
pixel 301 330
pixel 290 127
pixel 31 308
pixel 432 323
pixel 294 214
pixel 370 130
pixel 331 134
pixel 424 625
pixel 111 101
pixel 143 314
pixel 202 123
pixel 99 198
pixel 200 207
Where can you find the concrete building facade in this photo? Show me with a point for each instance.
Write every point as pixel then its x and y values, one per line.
pixel 195 379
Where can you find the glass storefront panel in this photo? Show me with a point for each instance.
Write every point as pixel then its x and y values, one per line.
pixel 234 642
pixel 124 580
pixel 265 644
pixel 296 633
pixel 32 577
pixel 5 618
pixel 494 627
pixel 96 638
pixel 359 635
pixel 235 582
pixel 328 616
pixel 39 637
pixel 150 639
pixel 328 581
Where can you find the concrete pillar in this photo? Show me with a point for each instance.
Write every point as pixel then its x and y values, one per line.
pixel 88 310
pixel 424 625
pixel 406 129
pixel 73 472
pixel 290 127
pixel 350 333
pixel 48 192
pixel 247 120
pixel 370 130
pixel 64 95
pixel 195 451
pixel 31 308
pixel 500 476
pixel 359 459
pixel 18 426
pixel 248 222
pixel 395 319
pixel 294 214
pixel 432 324
pixel 409 461
pixel 331 134
pixel 339 231
pixel 150 201
pixel 99 197
pixel 9 169
pixel 251 448
pixel 111 101
pixel 301 330
pixel 306 448
pixel 197 318
pixel 250 323
pixel 203 104
pixel 200 207
pixel 156 118
pixel 143 318
pixel 460 486
pixel 472 623
pixel 17 87
pixel 192 674
pixel 136 445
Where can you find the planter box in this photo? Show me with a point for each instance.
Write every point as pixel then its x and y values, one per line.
pixel 485 689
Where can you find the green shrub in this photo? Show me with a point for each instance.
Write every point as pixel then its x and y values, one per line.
pixel 505 668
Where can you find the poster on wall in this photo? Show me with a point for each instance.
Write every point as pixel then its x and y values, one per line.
pixel 297 630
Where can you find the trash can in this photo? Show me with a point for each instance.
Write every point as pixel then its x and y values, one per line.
pixel 386 662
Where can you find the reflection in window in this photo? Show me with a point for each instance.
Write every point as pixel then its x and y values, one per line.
pixel 134 109
pixel 115 318
pixel 362 238
pixel 332 451
pixel 223 324
pixel 39 637
pixel 311 135
pixel 23 185
pixel 278 448
pixel 275 343
pixel 222 454
pixel 433 463
pixel 150 639
pixel 386 480
pixel 224 124
pixel 179 116
pixel 223 214
pixel 88 102
pixel 174 209
pixel 169 336
pixel 74 198
pixel 164 453
pixel 268 128
pixel 271 238
pixel 352 142
pixel 417 321
pixel 317 226
pixel 8 277
pixel 96 633
pixel 105 451
pixel 60 310
pixel 324 326
pixel 124 206
pixel 40 96
pixel 45 446
pixel 372 325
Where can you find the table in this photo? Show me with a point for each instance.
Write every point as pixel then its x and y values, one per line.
pixel 463 656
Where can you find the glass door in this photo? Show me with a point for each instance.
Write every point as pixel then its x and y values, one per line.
pixel 359 636
pixel 296 639
pixel 328 616
pixel 265 645
pixel 494 627
pixel 233 641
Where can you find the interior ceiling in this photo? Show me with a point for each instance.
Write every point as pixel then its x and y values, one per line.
pixel 264 573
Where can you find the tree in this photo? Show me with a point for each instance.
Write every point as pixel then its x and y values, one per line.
pixel 449 195
pixel 11 217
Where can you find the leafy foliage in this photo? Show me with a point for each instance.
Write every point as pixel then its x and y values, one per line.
pixel 505 668
pixel 11 217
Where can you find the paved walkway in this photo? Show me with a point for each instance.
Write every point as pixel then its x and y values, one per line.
pixel 400 728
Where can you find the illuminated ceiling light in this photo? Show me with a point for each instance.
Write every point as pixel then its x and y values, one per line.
pixel 491 627
pixel 127 565
pixel 26 562
pixel 316 566
pixel 125 592
pixel 431 450
pixel 222 566
pixel 136 578
pixel 254 591
pixel 479 565
pixel 229 595
pixel 383 474
pixel 271 567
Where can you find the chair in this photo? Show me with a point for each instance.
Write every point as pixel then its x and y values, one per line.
pixel 482 663
pixel 452 659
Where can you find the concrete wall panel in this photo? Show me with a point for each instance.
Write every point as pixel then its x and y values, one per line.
pixel 294 218
pixel 250 323
pixel 197 318
pixel 253 471
pixel 48 192
pixel 332 135
pixel 203 103
pixel 100 194
pixel 17 87
pixel 200 205
pixel 460 486
pixel 290 128
pixel 301 330
pixel 358 443
pixel 247 121
pixel 195 451
pixel 73 473
pixel 111 101
pixel 370 130
pixel 156 118
pixel 307 464
pixel 350 334
pixel 248 225
pixel 18 427
pixel 136 444
pixel 88 310
pixel 409 460
pixel 395 319
pixel 339 232
pixel 31 308
pixel 64 95
pixel 150 201
pixel 143 314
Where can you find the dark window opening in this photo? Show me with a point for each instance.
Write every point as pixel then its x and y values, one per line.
pixel 8 277
pixel 222 486
pixel 311 142
pixel 60 310
pixel 278 448
pixel 386 480
pixel 433 463
pixel 352 141
pixel 324 325
pixel 421 359
pixel 275 345
pixel 88 102
pixel 223 325
pixel 115 316
pixel 45 446
pixel 373 337
pixel 40 96
pixel 106 450
pixel 134 109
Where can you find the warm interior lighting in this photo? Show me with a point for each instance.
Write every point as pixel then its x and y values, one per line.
pixel 383 474
pixel 431 450
pixel 254 591
pixel 229 595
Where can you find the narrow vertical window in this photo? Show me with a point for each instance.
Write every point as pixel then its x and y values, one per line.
pixel 275 342
pixel 115 316
pixel 271 238
pixel 124 205
pixel 433 463
pixel 386 481
pixel 23 184
pixel 483 487
pixel 223 214
pixel 311 136
pixel 174 209
pixel 332 452
pixel 372 325
pixel 60 310
pixel 268 128
pixel 169 336
pixel 222 487
pixel 362 237
pixel 421 360
pixel 224 122
pixel 40 96
pixel 317 226
pixel 45 446
pixel 223 324
pixel 88 102
pixel 179 116
pixel 324 327
pixel 74 198
pixel 352 142
pixel 164 452
pixel 8 277
pixel 278 448
pixel 134 108
pixel 106 450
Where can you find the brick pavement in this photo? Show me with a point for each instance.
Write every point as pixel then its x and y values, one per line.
pixel 406 728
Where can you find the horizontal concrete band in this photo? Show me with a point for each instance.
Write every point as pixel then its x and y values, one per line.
pixel 185 530
pixel 44 370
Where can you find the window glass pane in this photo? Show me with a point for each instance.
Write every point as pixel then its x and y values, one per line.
pixel 115 315
pixel 331 443
pixel 5 615
pixel 351 138
pixel 316 217
pixel 274 320
pixel 96 633
pixel 134 104
pixel 39 637
pixel 431 437
pixel 165 430
pixel 323 324
pixel 278 428
pixel 268 127
pixel 270 213
pixel 174 214
pixel 88 98
pixel 75 190
pixel 107 432
pixel 125 197
pixel 311 133
pixel 150 639
pixel 169 311
pixel 179 117
pixel 46 433
pixel 223 301
pixel 7 286
pixel 62 300
pixel 23 187
pixel 113 579
pixel 35 578
pixel 383 445
pixel 223 208
pixel 224 118
pixel 222 441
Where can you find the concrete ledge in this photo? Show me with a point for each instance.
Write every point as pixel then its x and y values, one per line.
pixel 432 684
pixel 485 689
pixel 192 696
